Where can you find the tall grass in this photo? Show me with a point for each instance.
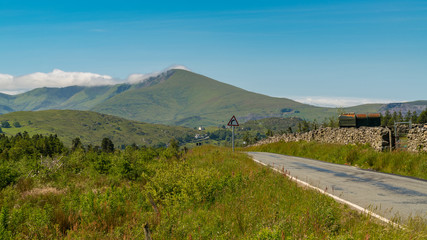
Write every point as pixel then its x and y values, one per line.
pixel 208 193
pixel 363 156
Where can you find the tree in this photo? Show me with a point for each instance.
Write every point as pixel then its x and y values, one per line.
pixel 422 119
pixel 330 122
pixel 386 118
pixel 394 117
pixel 247 138
pixel 314 124
pixel 1 130
pixel 75 144
pixel 414 117
pixel 269 133
pixel 299 127
pixel 5 124
pixel 17 124
pixel 305 126
pixel 400 117
pixel 174 144
pixel 408 116
pixel 107 145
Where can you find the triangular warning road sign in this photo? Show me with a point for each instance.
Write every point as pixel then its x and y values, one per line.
pixel 233 122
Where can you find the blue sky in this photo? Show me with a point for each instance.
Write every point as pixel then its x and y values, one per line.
pixel 322 52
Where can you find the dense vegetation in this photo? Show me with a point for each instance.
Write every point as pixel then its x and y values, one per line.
pixel 363 156
pixel 50 192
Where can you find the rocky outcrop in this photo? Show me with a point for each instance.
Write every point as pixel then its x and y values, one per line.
pixel 377 137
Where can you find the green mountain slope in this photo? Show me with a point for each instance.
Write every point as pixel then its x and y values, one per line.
pixel 43 98
pixel 92 127
pixel 191 99
pixel 5 103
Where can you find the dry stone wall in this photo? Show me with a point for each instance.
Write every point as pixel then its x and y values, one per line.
pixel 417 139
pixel 377 137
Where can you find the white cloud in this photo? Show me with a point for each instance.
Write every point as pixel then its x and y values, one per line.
pixel 338 101
pixel 182 67
pixel 138 77
pixel 12 92
pixel 57 78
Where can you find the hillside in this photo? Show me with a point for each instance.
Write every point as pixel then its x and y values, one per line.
pixel 92 127
pixel 174 97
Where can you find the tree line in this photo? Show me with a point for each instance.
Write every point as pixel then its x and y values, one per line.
pixel 388 119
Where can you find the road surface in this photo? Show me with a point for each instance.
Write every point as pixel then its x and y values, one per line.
pixel 387 195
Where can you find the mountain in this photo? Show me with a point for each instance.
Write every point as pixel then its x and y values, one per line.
pixel 92 127
pixel 190 99
pixel 417 106
pixel 186 98
pixel 174 97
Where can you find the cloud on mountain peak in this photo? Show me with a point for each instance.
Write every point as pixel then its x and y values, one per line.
pixel 57 78
pixel 138 77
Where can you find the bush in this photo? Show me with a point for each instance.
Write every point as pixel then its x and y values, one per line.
pixel 4 224
pixel 5 124
pixel 8 175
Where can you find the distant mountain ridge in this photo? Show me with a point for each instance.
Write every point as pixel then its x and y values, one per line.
pixel 174 97
pixel 417 106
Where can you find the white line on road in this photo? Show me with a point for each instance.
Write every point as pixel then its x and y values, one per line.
pixel 355 206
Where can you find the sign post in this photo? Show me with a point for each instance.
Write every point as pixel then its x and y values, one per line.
pixel 232 137
pixel 233 123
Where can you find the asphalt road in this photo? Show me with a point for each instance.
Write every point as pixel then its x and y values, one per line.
pixel 387 195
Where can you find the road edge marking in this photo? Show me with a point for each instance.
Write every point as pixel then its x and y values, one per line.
pixel 336 198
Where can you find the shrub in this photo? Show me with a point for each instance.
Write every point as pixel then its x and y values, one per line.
pixel 5 124
pixel 8 175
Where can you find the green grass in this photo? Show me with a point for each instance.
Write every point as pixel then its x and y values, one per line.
pixel 398 162
pixel 92 127
pixel 208 193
